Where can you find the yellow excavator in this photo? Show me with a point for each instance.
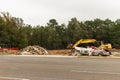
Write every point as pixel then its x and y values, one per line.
pixel 104 47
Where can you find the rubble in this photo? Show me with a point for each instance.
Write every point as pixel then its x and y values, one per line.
pixel 115 53
pixel 33 50
pixel 89 51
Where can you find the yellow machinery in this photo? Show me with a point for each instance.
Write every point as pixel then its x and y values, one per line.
pixel 105 46
pixel 103 49
pixel 102 46
pixel 83 41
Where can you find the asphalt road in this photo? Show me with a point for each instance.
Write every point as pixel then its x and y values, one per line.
pixel 59 68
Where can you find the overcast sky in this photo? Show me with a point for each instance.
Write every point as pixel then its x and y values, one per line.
pixel 39 12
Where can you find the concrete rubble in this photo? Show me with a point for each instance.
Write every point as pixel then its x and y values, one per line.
pixel 90 51
pixel 33 50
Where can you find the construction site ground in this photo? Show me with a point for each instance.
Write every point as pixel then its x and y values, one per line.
pixel 65 53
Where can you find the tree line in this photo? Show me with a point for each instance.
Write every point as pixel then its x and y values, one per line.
pixel 15 33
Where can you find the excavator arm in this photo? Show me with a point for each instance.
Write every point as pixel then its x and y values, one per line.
pixel 83 41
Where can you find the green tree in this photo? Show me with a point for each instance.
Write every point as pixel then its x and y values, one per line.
pixel 115 34
pixel 74 30
pixel 10 29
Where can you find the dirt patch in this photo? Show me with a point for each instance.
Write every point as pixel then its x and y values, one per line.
pixel 60 52
pixel 9 52
pixel 37 50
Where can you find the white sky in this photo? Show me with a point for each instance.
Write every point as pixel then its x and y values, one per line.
pixel 39 12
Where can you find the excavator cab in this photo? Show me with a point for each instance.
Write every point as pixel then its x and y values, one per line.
pixel 106 46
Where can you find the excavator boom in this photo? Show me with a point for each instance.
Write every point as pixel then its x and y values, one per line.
pixel 84 41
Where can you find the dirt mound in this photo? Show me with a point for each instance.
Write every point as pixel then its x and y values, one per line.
pixel 33 50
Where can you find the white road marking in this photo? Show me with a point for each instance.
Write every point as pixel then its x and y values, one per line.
pixel 11 78
pixel 93 72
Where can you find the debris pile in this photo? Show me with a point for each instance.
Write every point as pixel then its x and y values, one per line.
pixel 115 53
pixel 89 51
pixel 33 50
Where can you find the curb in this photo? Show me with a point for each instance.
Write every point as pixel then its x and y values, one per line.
pixel 60 56
pixel 10 78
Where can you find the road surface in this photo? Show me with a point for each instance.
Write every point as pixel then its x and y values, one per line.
pixel 59 68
